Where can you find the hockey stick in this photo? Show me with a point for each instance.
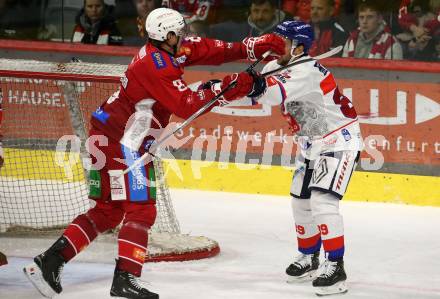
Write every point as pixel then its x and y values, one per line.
pixel 322 56
pixel 192 117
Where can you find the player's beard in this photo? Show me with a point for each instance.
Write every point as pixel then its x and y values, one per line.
pixel 173 50
pixel 284 60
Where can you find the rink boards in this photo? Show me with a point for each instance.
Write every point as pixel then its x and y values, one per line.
pixel 232 177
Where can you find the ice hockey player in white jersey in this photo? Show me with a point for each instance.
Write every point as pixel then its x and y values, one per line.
pixel 329 143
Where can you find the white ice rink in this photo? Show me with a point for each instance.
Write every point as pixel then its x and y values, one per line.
pixel 392 251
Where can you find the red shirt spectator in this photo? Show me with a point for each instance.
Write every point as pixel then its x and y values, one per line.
pixel 301 8
pixel 427 23
pixel 373 38
pixel 193 10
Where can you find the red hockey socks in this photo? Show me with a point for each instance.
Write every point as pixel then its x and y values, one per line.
pixel 80 233
pixel 132 240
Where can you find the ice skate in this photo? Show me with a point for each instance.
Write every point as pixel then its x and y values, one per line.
pixel 126 285
pixel 331 279
pixel 45 271
pixel 303 268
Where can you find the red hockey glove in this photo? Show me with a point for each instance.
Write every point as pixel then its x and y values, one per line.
pixel 257 46
pixel 243 86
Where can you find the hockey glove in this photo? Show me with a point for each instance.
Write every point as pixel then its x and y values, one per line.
pixel 259 86
pixel 209 84
pixel 257 46
pixel 243 83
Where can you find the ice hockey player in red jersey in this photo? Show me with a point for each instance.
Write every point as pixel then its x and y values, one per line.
pixel 329 143
pixel 150 91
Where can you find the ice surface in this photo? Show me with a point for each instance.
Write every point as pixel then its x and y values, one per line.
pixel 391 252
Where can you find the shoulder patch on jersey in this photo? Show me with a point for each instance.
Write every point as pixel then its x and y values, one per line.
pixel 101 115
pixel 158 60
pixel 346 134
pixel 181 59
pixel 327 84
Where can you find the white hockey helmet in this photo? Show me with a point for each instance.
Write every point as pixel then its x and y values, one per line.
pixel 161 21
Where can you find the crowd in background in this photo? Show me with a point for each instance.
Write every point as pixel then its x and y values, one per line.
pixel 400 29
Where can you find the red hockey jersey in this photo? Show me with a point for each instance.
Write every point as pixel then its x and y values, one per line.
pixel 153 88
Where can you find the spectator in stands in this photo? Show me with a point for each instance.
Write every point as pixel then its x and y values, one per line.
pixel 263 17
pixel 301 9
pixel 193 10
pixel 373 38
pixel 419 21
pixel 198 13
pixel 143 9
pixel 95 24
pixel 328 33
pixel 424 49
pixel 415 17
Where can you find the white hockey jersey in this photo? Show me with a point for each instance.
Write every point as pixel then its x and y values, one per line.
pixel 323 119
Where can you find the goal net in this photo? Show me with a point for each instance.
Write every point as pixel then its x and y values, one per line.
pixel 42 189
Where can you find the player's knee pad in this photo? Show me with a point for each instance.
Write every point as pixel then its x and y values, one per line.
pixel 323 203
pixel 144 214
pixel 301 210
pixel 105 216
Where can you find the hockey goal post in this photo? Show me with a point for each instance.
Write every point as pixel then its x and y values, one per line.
pixel 43 101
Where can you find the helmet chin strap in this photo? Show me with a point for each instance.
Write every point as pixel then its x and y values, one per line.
pixel 172 50
pixel 176 47
pixel 295 56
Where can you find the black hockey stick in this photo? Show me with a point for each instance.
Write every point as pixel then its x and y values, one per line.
pixel 322 56
pixel 192 117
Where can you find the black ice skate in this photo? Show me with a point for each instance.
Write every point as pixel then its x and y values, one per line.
pixel 303 267
pixel 45 271
pixel 126 285
pixel 331 279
